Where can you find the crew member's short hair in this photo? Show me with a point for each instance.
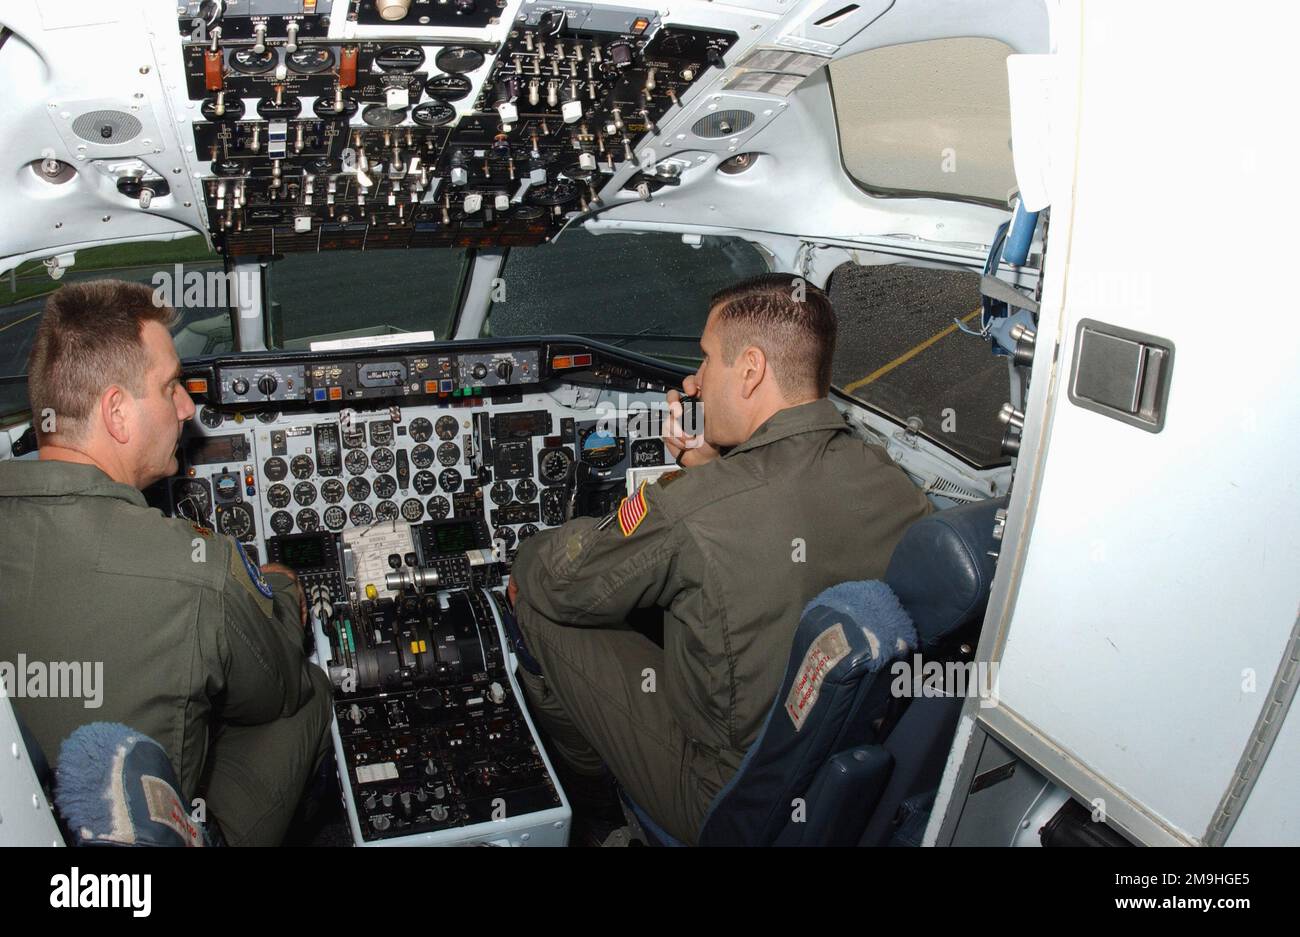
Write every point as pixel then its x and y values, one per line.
pixel 89 339
pixel 790 320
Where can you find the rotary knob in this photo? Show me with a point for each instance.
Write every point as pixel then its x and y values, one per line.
pixel 267 385
pixel 239 386
pixel 479 371
pixel 505 369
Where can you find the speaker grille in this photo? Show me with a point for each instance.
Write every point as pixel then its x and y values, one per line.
pixel 106 127
pixel 722 124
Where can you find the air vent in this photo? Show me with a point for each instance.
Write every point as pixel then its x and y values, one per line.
pixel 723 124
pixel 947 489
pixel 106 127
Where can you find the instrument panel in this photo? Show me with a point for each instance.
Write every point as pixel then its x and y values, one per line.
pixel 509 455
pixel 311 140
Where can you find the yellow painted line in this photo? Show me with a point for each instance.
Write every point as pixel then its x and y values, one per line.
pixel 10 325
pixel 907 355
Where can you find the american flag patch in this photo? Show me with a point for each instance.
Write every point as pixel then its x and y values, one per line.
pixel 632 511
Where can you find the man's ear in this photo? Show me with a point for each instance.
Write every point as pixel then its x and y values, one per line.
pixel 754 370
pixel 114 413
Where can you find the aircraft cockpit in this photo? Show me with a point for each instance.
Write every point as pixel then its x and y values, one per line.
pixel 438 264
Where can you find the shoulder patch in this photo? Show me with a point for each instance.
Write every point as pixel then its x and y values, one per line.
pixel 632 511
pixel 669 477
pixel 255 574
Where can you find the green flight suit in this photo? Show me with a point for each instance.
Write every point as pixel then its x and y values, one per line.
pixel 732 551
pixel 199 651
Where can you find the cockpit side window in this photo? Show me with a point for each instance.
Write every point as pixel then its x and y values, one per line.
pixel 183 273
pixel 646 292
pixel 902 350
pixel 927 118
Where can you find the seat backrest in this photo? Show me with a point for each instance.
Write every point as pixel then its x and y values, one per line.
pixel 941 571
pixel 845 639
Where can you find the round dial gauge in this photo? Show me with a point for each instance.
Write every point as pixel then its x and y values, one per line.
pixel 433 113
pixel 378 115
pixel 449 479
pixel 386 511
pixel 192 499
pixel 268 416
pixel 211 418
pixel 335 517
pixel 332 491
pixel 282 522
pixel 412 509
pixel 385 486
pixel 553 193
pixel 448 87
pixel 457 60
pixel 278 496
pixel 234 110
pixel 527 531
pixel 500 493
pixel 304 493
pixel 309 60
pixel 308 521
pixel 302 466
pixel 361 515
pixel 424 483
pixel 554 465
pixel 505 534
pixel 420 429
pixel 600 448
pixel 526 490
pixel 552 507
pixel 356 462
pixel 358 488
pixel 422 456
pixel 248 62
pixel 439 507
pixel 382 459
pixel 325 110
pixel 448 453
pixel 446 427
pixel 527 212
pixel 402 58
pixel 236 520
pixel 354 435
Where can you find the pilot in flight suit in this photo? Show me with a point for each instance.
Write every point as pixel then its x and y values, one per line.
pixel 731 550
pixel 186 640
pixel 200 650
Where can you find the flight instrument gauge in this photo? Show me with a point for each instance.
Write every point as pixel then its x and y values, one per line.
pixel 600 448
pixel 192 499
pixel 457 60
pixel 447 427
pixel 236 520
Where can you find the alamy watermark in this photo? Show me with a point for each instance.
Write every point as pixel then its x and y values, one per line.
pixel 202 289
pixel 60 679
pixel 920 678
pixel 635 419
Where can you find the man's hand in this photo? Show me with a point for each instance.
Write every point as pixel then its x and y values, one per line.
pixel 512 591
pixel 286 571
pixel 687 450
